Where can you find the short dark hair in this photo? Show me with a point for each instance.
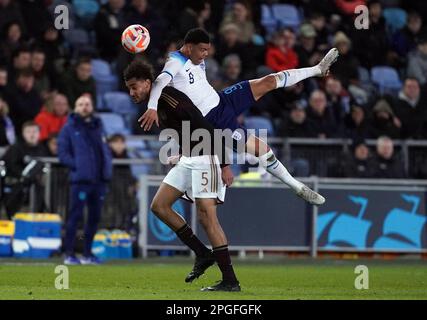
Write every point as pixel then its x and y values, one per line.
pixel 83 60
pixel 139 70
pixel 116 137
pixel 25 73
pixel 19 50
pixel 196 36
pixel 30 123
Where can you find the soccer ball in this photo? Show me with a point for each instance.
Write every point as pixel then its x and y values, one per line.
pixel 135 38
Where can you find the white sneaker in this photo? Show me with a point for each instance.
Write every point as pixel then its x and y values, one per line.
pixel 310 196
pixel 327 61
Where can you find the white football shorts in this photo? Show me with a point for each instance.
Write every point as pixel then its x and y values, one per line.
pixel 197 177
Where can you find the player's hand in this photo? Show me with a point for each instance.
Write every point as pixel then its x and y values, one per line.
pixel 148 118
pixel 173 160
pixel 227 176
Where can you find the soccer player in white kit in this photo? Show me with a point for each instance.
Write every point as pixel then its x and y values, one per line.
pixel 185 71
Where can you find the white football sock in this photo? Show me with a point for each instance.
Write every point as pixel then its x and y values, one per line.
pixel 287 78
pixel 277 169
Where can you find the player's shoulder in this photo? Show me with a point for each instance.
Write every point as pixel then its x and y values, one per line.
pixel 178 56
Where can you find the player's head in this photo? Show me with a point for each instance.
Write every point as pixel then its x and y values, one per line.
pixel 197 41
pixel 138 77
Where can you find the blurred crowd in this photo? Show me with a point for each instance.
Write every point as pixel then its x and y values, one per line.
pixel 377 88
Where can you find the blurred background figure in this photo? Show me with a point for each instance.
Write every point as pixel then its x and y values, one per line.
pixel 83 149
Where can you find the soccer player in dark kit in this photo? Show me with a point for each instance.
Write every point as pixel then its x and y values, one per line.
pixel 196 177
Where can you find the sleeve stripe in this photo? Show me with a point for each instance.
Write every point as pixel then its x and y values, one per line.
pixel 164 71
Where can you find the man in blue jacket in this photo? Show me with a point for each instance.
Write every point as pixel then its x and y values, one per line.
pixel 83 149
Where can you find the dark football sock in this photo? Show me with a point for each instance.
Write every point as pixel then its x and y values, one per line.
pixel 190 239
pixel 222 257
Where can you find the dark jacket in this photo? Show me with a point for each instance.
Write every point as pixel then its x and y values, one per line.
pixel 24 106
pixel 74 88
pixel 18 156
pixel 387 168
pixel 82 148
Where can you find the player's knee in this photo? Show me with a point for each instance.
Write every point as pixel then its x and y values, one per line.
pixel 270 82
pixel 157 207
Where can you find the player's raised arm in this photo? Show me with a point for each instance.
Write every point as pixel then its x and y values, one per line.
pixel 172 66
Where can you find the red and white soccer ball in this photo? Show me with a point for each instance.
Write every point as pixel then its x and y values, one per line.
pixel 135 38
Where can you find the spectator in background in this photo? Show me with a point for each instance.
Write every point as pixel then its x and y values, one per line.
pixel 346 67
pixel 124 186
pixel 21 59
pixel 17 158
pixel 42 79
pixel 109 24
pixel 241 16
pixel 52 145
pixel 24 101
pixel 3 80
pixel 82 148
pixel 11 37
pixel 212 68
pixel 411 109
pixel 10 12
pixel 280 54
pixel 405 40
pixel 318 21
pixel 141 12
pixel 7 130
pixel 358 163
pixel 357 125
pixel 57 54
pixel 306 50
pixel 79 81
pixel 338 98
pixel 386 164
pixel 229 42
pixel 384 122
pixel 194 15
pixel 321 117
pixel 231 70
pixel 371 45
pixel 53 115
pixel 417 61
pixel 297 125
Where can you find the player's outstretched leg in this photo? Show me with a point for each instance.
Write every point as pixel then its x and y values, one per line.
pixel 287 78
pixel 268 160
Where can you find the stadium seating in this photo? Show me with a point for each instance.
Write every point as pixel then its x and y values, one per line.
pixel 85 8
pixel 268 21
pixel 386 78
pixel 113 123
pixel 105 80
pixel 287 15
pixel 258 123
pixel 395 19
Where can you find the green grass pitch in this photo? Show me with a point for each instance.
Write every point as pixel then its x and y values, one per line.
pixel 163 278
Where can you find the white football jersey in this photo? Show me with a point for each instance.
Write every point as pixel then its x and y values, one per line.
pixel 191 80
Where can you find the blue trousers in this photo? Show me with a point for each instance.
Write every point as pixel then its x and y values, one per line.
pixel 81 195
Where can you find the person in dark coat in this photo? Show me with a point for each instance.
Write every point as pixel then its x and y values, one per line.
pixel 386 164
pixel 23 100
pixel 83 149
pixel 384 121
pixel 411 109
pixel 109 23
pixel 297 125
pixel 321 117
pixel 79 81
pixel 17 158
pixel 357 165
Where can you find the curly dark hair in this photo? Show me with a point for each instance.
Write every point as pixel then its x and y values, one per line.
pixel 139 70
